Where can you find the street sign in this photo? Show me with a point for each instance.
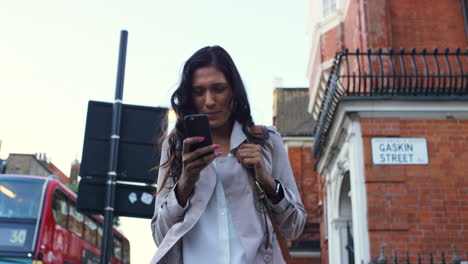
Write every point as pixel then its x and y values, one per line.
pixel 402 151
pixel 130 200
pixel 140 128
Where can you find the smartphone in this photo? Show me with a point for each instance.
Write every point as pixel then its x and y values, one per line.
pixel 198 126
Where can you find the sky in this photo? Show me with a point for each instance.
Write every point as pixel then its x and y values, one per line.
pixel 56 55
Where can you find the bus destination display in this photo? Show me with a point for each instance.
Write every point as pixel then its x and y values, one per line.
pixel 12 237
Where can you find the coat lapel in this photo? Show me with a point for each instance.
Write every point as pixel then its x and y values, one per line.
pixel 237 137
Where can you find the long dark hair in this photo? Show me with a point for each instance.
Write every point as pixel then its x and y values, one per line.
pixel 182 104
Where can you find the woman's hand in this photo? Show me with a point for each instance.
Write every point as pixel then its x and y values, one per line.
pixel 192 164
pixel 251 156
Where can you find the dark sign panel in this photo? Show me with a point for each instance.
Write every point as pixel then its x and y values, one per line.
pixel 140 128
pixel 130 200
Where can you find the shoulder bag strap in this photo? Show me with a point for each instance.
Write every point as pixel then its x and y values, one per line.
pixel 259 132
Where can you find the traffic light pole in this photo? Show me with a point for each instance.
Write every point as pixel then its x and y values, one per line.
pixel 114 148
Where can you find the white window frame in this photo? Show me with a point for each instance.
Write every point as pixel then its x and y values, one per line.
pixel 328 7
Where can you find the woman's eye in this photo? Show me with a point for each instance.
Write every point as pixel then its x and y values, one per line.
pixel 198 91
pixel 219 89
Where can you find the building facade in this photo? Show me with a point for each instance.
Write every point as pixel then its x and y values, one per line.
pixel 33 164
pixel 389 92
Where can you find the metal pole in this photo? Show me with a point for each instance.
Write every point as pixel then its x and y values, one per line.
pixel 114 147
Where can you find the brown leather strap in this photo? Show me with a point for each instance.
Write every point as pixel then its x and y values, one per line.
pixel 267 233
pixel 259 132
pixel 281 240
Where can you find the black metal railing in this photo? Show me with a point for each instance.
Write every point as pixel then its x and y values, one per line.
pixel 430 258
pixel 402 73
pixel 391 74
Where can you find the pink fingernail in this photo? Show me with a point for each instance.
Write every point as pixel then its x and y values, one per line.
pixel 201 138
pixel 216 146
pixel 219 153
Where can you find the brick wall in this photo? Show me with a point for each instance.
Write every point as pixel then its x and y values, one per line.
pixel 302 163
pixel 331 42
pixel 418 23
pixel 353 25
pixel 427 24
pixel 378 24
pixel 419 208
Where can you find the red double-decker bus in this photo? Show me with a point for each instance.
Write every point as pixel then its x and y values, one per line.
pixel 39 224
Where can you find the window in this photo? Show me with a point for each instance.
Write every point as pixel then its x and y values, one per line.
pixel 20 198
pixel 75 221
pixel 99 236
pixel 126 253
pixel 89 257
pixel 328 7
pixel 60 209
pixel 117 245
pixel 90 230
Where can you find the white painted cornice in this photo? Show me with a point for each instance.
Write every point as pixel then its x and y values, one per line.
pixel 317 94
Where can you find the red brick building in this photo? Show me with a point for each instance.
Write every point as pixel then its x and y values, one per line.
pixel 389 92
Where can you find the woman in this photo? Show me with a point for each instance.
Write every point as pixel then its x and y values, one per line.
pixel 207 209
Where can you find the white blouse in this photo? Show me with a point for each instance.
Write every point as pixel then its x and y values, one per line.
pixel 214 238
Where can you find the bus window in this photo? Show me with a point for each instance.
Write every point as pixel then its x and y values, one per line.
pixel 88 257
pixel 20 198
pixel 75 221
pixel 60 209
pixel 90 230
pixel 117 245
pixel 126 253
pixel 99 236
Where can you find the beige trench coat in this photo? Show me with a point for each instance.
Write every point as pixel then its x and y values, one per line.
pixel 171 222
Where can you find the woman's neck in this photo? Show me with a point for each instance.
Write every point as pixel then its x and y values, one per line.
pixel 222 136
pixel 223 131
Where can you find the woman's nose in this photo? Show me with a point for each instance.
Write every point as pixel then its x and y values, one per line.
pixel 209 99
